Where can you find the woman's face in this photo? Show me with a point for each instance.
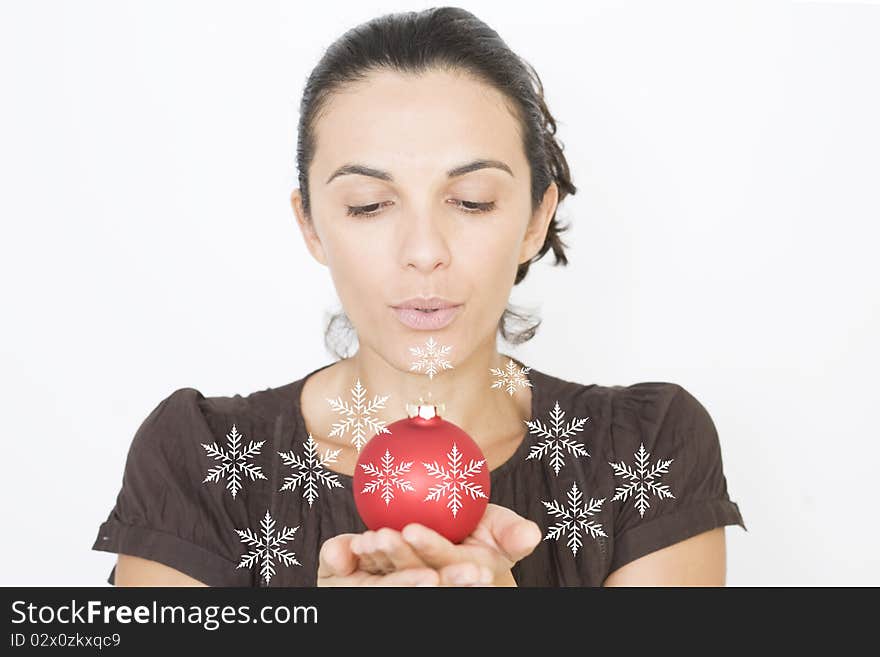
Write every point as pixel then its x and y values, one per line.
pixel 421 236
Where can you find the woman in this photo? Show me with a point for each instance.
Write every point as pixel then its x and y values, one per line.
pixel 429 179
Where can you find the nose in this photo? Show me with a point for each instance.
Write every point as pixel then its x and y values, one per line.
pixel 425 246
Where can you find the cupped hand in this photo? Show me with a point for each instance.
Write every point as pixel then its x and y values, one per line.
pixel 394 563
pixel 500 540
pixel 338 566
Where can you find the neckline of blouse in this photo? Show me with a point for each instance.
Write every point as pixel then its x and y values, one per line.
pixel 533 376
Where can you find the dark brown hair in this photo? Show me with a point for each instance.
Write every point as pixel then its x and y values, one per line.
pixel 444 38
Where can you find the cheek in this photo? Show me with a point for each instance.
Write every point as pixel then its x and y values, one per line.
pixel 489 264
pixel 357 264
pixel 490 256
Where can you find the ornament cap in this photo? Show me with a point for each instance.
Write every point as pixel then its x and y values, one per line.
pixel 425 409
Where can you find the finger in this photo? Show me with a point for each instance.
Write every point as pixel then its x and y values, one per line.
pixel 363 547
pixel 384 550
pixel 520 539
pixel 395 553
pixel 465 574
pixel 358 578
pixel 382 544
pixel 515 536
pixel 486 578
pixel 383 563
pixel 409 577
pixel 433 548
pixel 335 557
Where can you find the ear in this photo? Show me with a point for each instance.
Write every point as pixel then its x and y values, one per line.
pixel 536 233
pixel 307 228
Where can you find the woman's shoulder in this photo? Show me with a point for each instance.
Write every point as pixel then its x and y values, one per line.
pixel 265 402
pixel 644 397
pixel 626 413
pixel 198 411
pixel 648 453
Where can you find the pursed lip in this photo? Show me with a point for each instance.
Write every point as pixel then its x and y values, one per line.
pixel 427 320
pixel 428 303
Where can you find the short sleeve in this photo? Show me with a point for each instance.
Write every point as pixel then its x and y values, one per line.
pixel 669 482
pixel 162 511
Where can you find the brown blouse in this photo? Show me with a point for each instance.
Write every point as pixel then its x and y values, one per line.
pixel 609 473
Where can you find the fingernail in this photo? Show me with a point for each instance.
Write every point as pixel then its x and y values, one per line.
pixel 462 578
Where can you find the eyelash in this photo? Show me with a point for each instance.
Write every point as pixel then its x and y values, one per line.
pixel 360 210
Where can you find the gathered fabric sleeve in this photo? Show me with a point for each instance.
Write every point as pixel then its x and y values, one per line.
pixel 669 481
pixel 163 511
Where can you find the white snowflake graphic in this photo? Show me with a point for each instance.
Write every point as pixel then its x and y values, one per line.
pixel 266 547
pixel 310 471
pixel 430 359
pixel 454 480
pixel 234 461
pixel 358 416
pixel 511 377
pixel 642 480
pixel 557 440
pixel 574 519
pixel 387 477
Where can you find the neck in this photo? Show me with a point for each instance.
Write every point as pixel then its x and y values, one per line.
pixel 487 414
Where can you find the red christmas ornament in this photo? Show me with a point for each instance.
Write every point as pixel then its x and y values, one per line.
pixel 427 470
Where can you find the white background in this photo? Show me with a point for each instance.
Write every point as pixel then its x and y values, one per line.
pixel 727 157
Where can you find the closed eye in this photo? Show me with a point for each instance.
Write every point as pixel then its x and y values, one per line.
pixel 469 207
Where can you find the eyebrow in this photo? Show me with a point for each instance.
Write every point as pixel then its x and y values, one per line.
pixel 363 170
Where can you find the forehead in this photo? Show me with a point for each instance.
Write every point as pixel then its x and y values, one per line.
pixel 416 125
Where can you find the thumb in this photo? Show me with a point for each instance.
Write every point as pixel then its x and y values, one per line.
pixel 519 539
